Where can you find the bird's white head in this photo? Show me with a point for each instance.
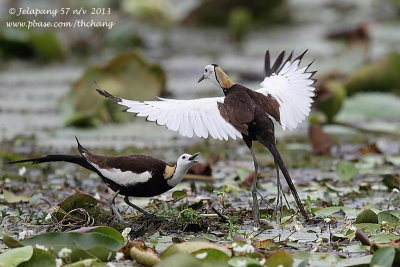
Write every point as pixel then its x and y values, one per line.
pixel 217 76
pixel 185 161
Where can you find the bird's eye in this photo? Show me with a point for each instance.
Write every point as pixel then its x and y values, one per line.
pixel 184 157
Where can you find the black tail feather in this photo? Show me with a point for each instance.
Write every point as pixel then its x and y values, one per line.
pixel 81 149
pixel 75 159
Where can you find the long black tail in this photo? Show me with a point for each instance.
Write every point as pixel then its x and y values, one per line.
pixel 76 159
pixel 278 159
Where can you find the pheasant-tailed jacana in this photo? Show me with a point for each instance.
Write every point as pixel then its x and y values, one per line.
pixel 285 97
pixel 133 175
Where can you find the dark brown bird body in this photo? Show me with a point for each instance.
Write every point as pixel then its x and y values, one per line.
pixel 130 176
pixel 156 185
pixel 249 112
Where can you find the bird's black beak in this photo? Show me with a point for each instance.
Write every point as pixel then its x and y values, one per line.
pixel 201 78
pixel 193 157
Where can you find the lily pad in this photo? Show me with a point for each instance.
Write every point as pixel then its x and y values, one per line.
pixel 212 257
pixel 243 261
pixel 368 227
pixel 82 245
pixel 388 217
pixel 40 258
pixel 367 216
pixel 128 75
pixel 73 202
pixel 383 257
pixel 191 247
pixel 180 259
pixel 280 258
pixel 146 257
pixel 16 256
pixel 178 195
pixel 10 197
pixel 325 212
pixel 346 170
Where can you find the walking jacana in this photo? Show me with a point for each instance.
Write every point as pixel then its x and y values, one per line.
pixel 285 97
pixel 133 175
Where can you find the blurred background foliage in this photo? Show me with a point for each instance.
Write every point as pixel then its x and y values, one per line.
pixel 159 47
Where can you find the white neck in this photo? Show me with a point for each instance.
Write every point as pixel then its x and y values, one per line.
pixel 180 171
pixel 214 81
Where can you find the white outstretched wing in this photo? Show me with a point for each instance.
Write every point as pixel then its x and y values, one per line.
pixel 292 87
pixel 198 117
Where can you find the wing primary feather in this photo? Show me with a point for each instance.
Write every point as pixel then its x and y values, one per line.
pixel 267 64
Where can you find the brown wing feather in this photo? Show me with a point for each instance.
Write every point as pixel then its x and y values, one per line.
pixel 267 103
pixel 237 109
pixel 133 163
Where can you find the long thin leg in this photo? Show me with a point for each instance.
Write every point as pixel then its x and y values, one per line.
pixel 279 189
pixel 126 199
pixel 281 164
pixel 114 209
pixel 256 211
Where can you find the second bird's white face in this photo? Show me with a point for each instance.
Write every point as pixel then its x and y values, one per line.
pixel 186 160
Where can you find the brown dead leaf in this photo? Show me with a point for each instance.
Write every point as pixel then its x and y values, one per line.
pixel 320 141
pixel 369 149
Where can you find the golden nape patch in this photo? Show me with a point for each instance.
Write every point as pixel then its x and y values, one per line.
pixel 223 79
pixel 169 171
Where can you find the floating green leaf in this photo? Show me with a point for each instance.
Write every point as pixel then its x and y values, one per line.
pixel 83 245
pixel 383 257
pixel 116 76
pixel 191 247
pixel 368 227
pixel 346 170
pixel 325 212
pixel 40 258
pixel 180 259
pixel 178 195
pixel 16 256
pixel 108 231
pixel 367 216
pixel 211 257
pixel 384 238
pixel 73 202
pixel 280 258
pixel 391 181
pixel 10 197
pixel 145 257
pixel 388 217
pixel 243 261
pixel 243 173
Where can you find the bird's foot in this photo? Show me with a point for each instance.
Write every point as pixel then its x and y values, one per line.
pixel 256 210
pixel 117 214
